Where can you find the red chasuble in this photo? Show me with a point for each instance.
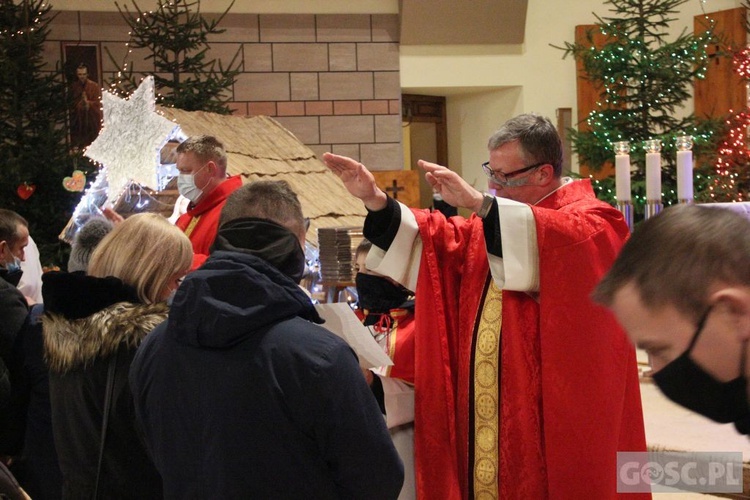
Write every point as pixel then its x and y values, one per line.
pixel 567 397
pixel 201 222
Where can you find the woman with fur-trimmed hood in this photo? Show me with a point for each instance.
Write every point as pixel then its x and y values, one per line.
pixel 94 323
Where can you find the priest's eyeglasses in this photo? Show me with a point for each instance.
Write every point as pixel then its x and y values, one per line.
pixel 504 179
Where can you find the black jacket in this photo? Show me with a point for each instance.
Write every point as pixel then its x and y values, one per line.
pixel 241 395
pixel 13 311
pixel 13 314
pixel 29 431
pixel 87 322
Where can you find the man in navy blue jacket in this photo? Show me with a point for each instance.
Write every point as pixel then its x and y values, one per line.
pixel 239 393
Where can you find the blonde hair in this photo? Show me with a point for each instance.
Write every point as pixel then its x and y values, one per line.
pixel 145 251
pixel 206 148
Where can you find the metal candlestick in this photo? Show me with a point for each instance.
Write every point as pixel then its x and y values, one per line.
pixel 626 207
pixel 652 208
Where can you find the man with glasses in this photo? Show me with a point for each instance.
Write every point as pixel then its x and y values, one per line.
pixel 524 387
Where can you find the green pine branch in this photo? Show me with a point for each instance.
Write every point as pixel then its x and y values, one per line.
pixel 33 135
pixel 177 38
pixel 645 77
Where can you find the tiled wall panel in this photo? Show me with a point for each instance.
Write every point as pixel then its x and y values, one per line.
pixel 333 80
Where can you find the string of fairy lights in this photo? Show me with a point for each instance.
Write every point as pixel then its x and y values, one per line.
pixel 28 30
pixel 142 20
pixel 732 153
pixel 622 88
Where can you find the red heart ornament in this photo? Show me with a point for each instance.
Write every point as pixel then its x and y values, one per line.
pixel 25 190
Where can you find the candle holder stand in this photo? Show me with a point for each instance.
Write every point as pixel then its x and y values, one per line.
pixel 653 207
pixel 626 208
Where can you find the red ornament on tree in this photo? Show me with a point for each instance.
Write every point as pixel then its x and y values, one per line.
pixel 25 190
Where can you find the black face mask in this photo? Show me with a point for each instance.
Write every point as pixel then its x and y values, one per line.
pixel 687 384
pixel 378 295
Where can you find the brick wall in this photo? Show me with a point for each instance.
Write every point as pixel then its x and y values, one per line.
pixel 333 80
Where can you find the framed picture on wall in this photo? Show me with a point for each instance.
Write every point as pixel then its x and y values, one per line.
pixel 83 74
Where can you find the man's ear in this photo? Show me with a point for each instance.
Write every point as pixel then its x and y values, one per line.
pixel 546 174
pixel 3 246
pixel 737 301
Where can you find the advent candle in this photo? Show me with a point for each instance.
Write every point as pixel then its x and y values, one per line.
pixel 653 169
pixel 685 168
pixel 622 170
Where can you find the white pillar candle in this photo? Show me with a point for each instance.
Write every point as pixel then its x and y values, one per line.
pixel 685 175
pixel 622 177
pixel 653 176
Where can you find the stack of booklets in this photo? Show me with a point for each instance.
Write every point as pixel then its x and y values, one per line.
pixel 337 248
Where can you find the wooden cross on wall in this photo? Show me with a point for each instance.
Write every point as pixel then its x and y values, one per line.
pixel 394 189
pixel 715 54
pixel 401 185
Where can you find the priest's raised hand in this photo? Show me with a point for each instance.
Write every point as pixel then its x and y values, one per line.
pixel 357 179
pixel 454 190
pixel 360 182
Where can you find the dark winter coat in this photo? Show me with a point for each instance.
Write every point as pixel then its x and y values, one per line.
pixel 242 395
pixel 88 322
pixel 30 428
pixel 13 313
pixel 13 310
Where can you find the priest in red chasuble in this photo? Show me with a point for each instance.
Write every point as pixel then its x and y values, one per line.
pixel 202 163
pixel 524 388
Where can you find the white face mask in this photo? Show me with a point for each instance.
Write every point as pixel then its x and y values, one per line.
pixel 13 266
pixel 187 188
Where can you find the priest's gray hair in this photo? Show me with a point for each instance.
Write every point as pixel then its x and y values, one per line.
pixel 538 138
pixel 206 148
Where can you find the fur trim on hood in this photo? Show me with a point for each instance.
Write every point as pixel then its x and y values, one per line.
pixel 69 344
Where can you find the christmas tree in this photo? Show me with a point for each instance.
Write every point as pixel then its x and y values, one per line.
pixel 33 110
pixel 645 78
pixel 176 35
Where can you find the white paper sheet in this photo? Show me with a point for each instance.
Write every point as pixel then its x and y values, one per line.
pixel 341 320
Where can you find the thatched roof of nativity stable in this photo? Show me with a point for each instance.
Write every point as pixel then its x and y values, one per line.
pixel 259 147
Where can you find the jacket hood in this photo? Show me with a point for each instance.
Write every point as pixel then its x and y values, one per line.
pixel 87 318
pixel 265 239
pixel 77 295
pixel 232 296
pixel 74 343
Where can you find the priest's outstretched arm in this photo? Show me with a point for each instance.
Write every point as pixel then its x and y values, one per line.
pixel 390 224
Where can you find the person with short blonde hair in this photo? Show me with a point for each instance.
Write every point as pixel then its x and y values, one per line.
pixel 92 326
pixel 202 165
pixel 128 253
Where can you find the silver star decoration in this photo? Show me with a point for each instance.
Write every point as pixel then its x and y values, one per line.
pixel 131 138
